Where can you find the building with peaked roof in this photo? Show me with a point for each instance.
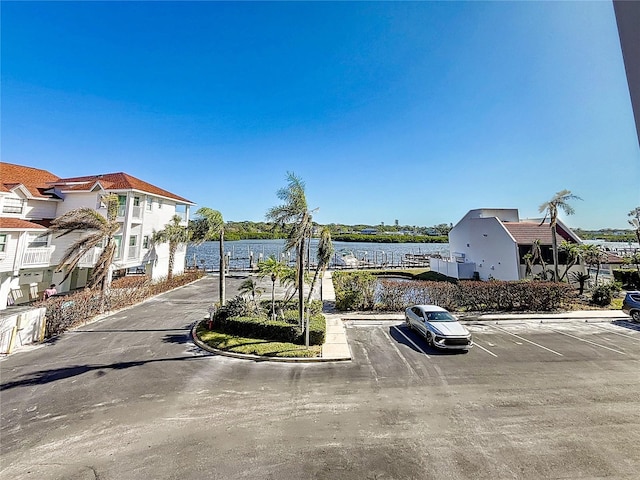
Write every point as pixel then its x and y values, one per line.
pixel 31 198
pixel 492 243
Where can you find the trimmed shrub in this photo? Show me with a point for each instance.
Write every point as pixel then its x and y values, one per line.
pixel 604 293
pixel 628 278
pixel 276 330
pixel 494 295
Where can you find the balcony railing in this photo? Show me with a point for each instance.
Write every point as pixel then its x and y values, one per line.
pixel 136 211
pixel 122 209
pixel 90 258
pixel 37 256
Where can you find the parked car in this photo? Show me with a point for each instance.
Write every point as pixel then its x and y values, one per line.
pixel 631 305
pixel 439 328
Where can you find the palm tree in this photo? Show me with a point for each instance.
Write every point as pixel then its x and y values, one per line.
pixel 250 287
pixel 558 201
pixel 294 212
pixel 275 269
pixel 635 221
pixel 593 255
pixel 210 226
pixel 325 252
pixel 574 254
pixel 175 234
pixel 102 231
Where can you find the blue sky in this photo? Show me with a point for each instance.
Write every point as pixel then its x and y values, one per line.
pixel 408 111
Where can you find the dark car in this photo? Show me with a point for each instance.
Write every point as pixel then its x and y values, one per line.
pixel 631 305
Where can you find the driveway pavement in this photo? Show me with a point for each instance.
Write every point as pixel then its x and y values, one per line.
pixel 131 397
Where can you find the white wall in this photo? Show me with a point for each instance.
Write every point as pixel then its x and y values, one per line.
pixel 485 242
pixel 21 329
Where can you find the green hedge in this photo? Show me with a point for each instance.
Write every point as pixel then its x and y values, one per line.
pixel 361 291
pixel 278 330
pixel 628 278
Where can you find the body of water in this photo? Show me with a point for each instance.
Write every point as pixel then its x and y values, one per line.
pixel 243 254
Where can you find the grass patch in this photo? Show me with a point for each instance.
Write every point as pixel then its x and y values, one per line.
pixel 255 346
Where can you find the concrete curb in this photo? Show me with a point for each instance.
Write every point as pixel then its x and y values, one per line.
pixel 258 358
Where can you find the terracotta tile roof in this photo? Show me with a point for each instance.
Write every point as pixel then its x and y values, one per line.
pixel 525 233
pixel 115 181
pixel 17 223
pixel 34 179
pixel 614 259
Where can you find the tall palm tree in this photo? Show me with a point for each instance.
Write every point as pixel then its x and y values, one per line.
pixel 558 201
pixel 294 213
pixel 175 234
pixel 325 252
pixel 101 232
pixel 593 255
pixel 635 221
pixel 275 269
pixel 209 225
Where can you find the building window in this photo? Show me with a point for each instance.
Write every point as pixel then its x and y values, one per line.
pixel 13 205
pixel 3 242
pixel 145 241
pixel 149 203
pixel 37 241
pixel 136 201
pixel 132 241
pixel 159 203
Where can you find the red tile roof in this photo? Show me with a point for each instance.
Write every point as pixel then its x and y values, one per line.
pixel 17 223
pixel 525 233
pixel 34 179
pixel 115 181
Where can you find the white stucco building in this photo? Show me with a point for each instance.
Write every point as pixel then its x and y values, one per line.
pixel 31 198
pixel 491 243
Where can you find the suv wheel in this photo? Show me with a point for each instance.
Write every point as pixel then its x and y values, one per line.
pixel 635 315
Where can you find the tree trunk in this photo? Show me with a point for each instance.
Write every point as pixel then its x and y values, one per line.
pixel 172 256
pixel 554 245
pixel 301 281
pixel 273 298
pixel 222 268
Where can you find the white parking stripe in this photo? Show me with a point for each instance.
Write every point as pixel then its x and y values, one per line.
pixel 392 342
pixel 475 344
pixel 528 341
pixel 587 341
pixel 411 341
pixel 608 330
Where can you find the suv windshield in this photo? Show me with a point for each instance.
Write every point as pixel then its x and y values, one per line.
pixel 440 317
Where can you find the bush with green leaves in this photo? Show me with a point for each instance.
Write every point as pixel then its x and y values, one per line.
pixel 354 290
pixel 628 278
pixel 603 294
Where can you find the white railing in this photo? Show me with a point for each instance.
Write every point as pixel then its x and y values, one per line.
pixel 136 211
pixel 37 256
pixel 122 209
pixel 90 258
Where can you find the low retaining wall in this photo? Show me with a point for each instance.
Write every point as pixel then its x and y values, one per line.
pixel 21 328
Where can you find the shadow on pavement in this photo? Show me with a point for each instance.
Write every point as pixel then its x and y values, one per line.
pixel 400 333
pixel 627 324
pixel 42 377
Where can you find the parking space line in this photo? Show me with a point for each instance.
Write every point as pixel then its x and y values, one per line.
pixel 587 341
pixel 476 344
pixel 608 330
pixel 402 357
pixel 411 341
pixel 528 341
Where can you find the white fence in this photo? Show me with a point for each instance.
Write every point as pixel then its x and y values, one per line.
pixel 21 328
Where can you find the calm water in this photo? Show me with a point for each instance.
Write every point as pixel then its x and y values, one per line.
pixel 242 252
